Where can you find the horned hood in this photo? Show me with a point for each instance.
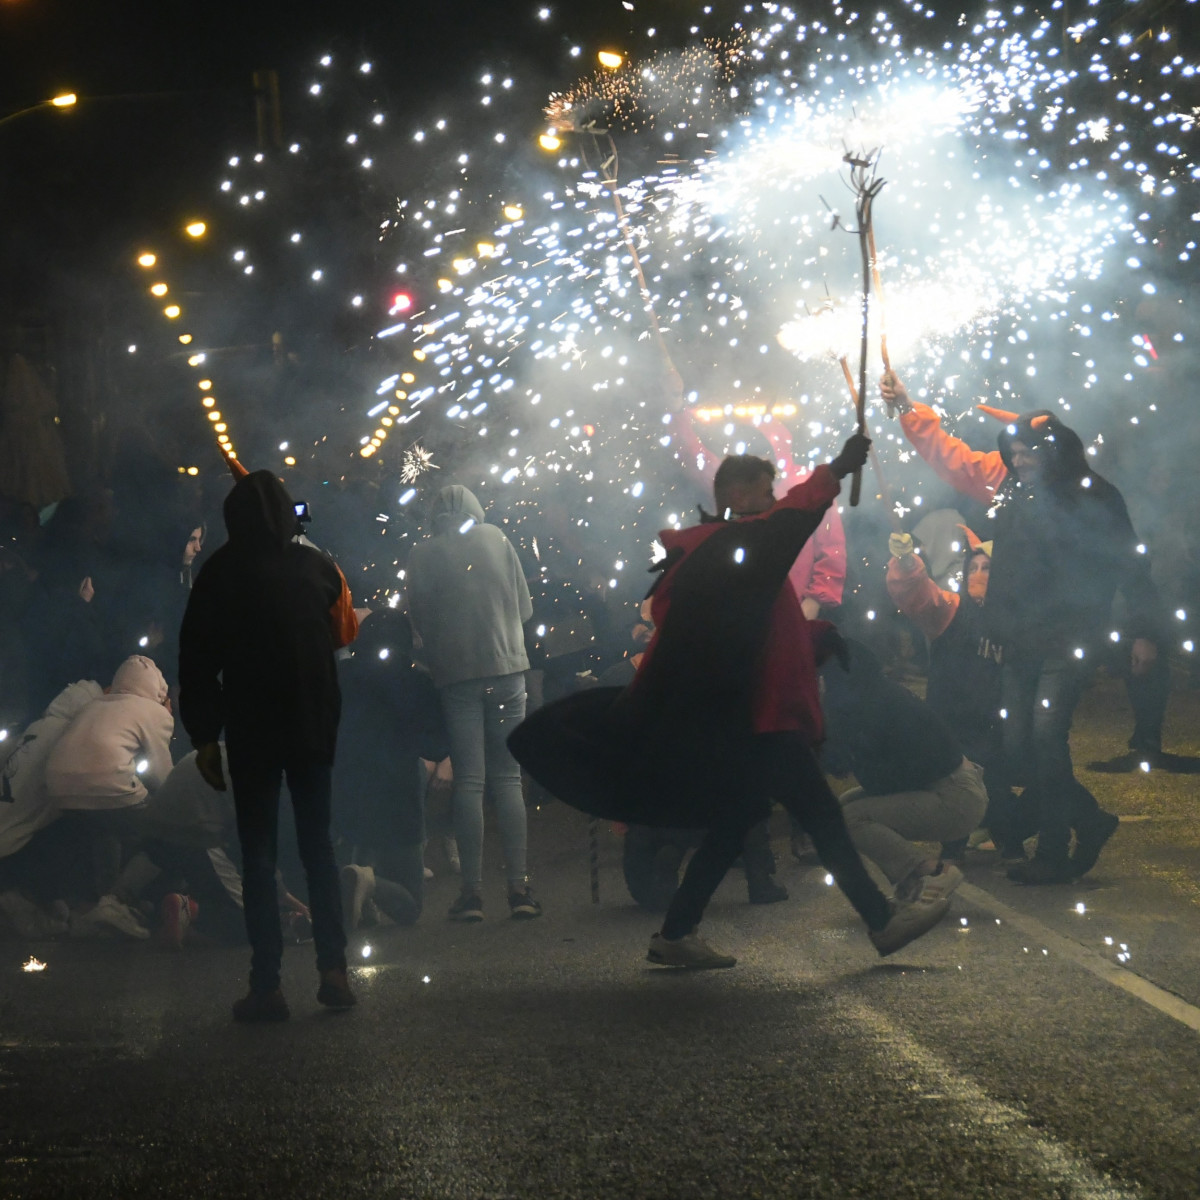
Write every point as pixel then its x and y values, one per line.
pixel 1058 444
pixel 259 513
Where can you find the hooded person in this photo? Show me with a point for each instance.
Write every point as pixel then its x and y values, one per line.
pixel 468 600
pixel 117 749
pixel 263 622
pixel 1063 545
pixel 720 719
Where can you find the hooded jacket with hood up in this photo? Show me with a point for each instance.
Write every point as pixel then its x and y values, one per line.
pixel 732 657
pixel 94 763
pixel 467 596
pixel 263 620
pixel 1063 546
pixel 25 806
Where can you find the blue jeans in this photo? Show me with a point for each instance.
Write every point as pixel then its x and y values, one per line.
pixel 480 714
pixel 1038 697
pixel 256 785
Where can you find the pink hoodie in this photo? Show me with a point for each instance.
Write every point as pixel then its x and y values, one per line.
pixel 95 763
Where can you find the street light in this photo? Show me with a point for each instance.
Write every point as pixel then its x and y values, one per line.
pixel 62 100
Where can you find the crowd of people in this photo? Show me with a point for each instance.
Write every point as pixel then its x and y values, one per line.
pixel 156 699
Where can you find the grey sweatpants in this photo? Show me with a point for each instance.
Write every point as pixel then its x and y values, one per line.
pixel 881 826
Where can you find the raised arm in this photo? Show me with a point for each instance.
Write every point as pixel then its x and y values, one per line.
pixel 975 473
pixel 928 606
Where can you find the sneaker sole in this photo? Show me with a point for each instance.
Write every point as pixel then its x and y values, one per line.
pixel 659 961
pixel 932 916
pixel 467 918
pixel 524 915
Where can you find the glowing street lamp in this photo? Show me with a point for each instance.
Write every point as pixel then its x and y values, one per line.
pixel 549 142
pixel 62 100
pixel 610 60
pixel 195 229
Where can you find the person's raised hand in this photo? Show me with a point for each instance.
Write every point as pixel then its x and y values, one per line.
pixel 853 455
pixel 208 763
pixel 901 545
pixel 894 393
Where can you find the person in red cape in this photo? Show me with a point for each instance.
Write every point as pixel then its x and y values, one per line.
pixel 264 619
pixel 721 718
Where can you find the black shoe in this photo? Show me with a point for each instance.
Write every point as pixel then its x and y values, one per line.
pixel 1089 841
pixel 522 906
pixel 261 1006
pixel 766 891
pixel 468 909
pixel 334 991
pixel 1038 871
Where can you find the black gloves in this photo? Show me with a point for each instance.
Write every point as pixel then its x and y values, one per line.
pixel 853 456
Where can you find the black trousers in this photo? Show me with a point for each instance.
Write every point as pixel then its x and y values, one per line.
pixel 257 782
pixel 785 770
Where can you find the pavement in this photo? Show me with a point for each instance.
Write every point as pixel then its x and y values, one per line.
pixel 1042 1042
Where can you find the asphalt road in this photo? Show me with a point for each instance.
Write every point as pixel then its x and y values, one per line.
pixel 1007 1054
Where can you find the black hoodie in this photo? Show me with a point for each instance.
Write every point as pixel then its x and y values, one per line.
pixel 256 651
pixel 1063 546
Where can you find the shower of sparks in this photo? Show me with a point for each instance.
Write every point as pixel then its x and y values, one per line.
pixel 1039 225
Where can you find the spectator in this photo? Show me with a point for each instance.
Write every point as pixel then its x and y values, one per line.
pixel 391 720
pixel 468 599
pixel 115 752
pixel 256 658
pixel 914 783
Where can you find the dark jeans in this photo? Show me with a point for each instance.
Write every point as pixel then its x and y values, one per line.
pixel 1148 695
pixel 785 770
pixel 1038 697
pixel 256 786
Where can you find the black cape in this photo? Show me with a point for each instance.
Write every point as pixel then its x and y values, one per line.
pixel 675 747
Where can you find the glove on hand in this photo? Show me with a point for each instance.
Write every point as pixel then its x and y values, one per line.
pixel 901 545
pixel 853 455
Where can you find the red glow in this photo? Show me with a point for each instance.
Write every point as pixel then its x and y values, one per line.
pixel 401 302
pixel 1148 346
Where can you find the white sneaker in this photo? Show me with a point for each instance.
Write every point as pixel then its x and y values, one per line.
pixel 688 951
pixel 109 916
pixel 357 885
pixel 940 886
pixel 909 921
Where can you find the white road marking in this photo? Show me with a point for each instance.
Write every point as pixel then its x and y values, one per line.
pixel 1159 998
pixel 1006 1124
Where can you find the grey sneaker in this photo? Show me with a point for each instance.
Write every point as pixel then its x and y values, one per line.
pixel 689 951
pixel 928 889
pixel 909 921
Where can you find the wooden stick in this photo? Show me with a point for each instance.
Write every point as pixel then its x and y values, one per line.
pixel 885 490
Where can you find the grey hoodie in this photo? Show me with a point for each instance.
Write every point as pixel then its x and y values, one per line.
pixel 466 594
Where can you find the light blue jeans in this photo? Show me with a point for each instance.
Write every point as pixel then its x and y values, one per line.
pixel 480 714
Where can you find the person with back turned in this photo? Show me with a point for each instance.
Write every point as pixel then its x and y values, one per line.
pixel 256 656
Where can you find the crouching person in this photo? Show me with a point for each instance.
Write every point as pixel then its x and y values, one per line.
pixel 914 783
pixel 114 754
pixel 256 656
pixel 392 720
